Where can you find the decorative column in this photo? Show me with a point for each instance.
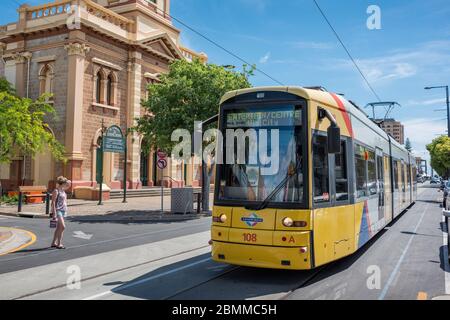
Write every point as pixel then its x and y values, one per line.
pixel 133 112
pixel 74 109
pixel 22 62
pixel 22 59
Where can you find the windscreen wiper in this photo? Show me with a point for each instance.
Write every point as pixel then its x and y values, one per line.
pixel 275 191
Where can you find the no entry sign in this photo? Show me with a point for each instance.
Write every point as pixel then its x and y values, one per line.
pixel 162 160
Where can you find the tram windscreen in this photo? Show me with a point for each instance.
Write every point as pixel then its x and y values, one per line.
pixel 262 153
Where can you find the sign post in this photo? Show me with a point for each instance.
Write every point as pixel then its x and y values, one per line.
pixel 125 166
pixel 113 141
pixel 100 196
pixel 162 164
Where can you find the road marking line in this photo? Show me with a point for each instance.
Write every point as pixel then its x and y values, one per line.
pixel 446 262
pixel 399 262
pixel 132 284
pixel 104 242
pixel 29 243
pixel 422 295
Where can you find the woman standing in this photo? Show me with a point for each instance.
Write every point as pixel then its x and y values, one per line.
pixel 59 210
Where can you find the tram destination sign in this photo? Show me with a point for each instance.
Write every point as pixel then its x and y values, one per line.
pixel 113 140
pixel 272 118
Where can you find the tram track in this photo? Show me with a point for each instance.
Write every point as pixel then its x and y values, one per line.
pixel 111 272
pixel 179 292
pixel 284 296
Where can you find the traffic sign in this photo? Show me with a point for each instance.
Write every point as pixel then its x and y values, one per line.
pixel 162 164
pixel 161 154
pixel 113 140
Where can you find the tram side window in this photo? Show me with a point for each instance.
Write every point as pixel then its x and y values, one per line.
pixel 396 175
pixel 372 173
pixel 341 173
pixel 403 178
pixel 360 170
pixel 320 169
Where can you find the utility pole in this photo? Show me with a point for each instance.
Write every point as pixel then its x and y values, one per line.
pixel 448 104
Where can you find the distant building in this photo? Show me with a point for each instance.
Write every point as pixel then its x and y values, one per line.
pixel 394 128
pixel 419 165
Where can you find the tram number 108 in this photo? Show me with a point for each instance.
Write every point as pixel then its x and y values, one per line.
pixel 250 237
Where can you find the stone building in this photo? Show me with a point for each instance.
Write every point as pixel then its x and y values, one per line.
pixel 96 58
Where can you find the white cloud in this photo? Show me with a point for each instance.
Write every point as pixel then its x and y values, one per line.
pixel 422 131
pixel 426 59
pixel 378 70
pixel 259 5
pixel 430 102
pixel 312 45
pixel 265 58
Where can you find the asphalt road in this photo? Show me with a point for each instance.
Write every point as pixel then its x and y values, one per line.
pixel 106 236
pixel 405 261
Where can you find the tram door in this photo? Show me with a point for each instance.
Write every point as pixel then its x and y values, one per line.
pixel 403 185
pixel 380 184
pixel 388 189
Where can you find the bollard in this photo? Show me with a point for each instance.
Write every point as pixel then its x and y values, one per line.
pixel 19 206
pixel 199 201
pixel 47 203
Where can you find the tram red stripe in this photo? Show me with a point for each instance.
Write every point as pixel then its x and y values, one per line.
pixel 345 114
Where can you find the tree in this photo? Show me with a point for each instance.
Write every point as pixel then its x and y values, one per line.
pixel 191 91
pixel 5 86
pixel 22 125
pixel 408 145
pixel 439 150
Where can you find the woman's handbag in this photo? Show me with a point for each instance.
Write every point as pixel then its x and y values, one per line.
pixel 53 223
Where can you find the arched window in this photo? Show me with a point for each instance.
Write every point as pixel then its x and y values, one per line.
pixel 98 87
pixel 109 91
pixel 46 76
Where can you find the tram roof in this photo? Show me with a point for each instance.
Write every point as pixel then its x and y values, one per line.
pixel 316 94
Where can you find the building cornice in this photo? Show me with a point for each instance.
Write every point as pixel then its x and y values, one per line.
pixel 106 64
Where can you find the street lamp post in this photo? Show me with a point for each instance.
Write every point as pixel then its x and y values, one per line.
pixel 448 104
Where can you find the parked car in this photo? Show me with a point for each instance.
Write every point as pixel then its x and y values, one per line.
pixel 420 179
pixel 435 180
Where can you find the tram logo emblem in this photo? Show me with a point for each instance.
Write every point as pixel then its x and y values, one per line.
pixel 252 220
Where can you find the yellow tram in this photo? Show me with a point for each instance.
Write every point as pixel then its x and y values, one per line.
pixel 340 179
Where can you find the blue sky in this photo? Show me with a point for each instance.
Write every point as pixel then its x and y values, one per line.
pixel 290 41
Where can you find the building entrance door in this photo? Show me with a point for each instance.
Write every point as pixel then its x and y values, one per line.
pixel 15 173
pixel 144 169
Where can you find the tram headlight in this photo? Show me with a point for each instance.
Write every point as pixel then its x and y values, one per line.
pixel 220 219
pixel 288 222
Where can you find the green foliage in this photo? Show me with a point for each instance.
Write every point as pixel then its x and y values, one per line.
pixel 9 200
pixel 191 91
pixel 5 86
pixel 439 150
pixel 408 145
pixel 22 126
